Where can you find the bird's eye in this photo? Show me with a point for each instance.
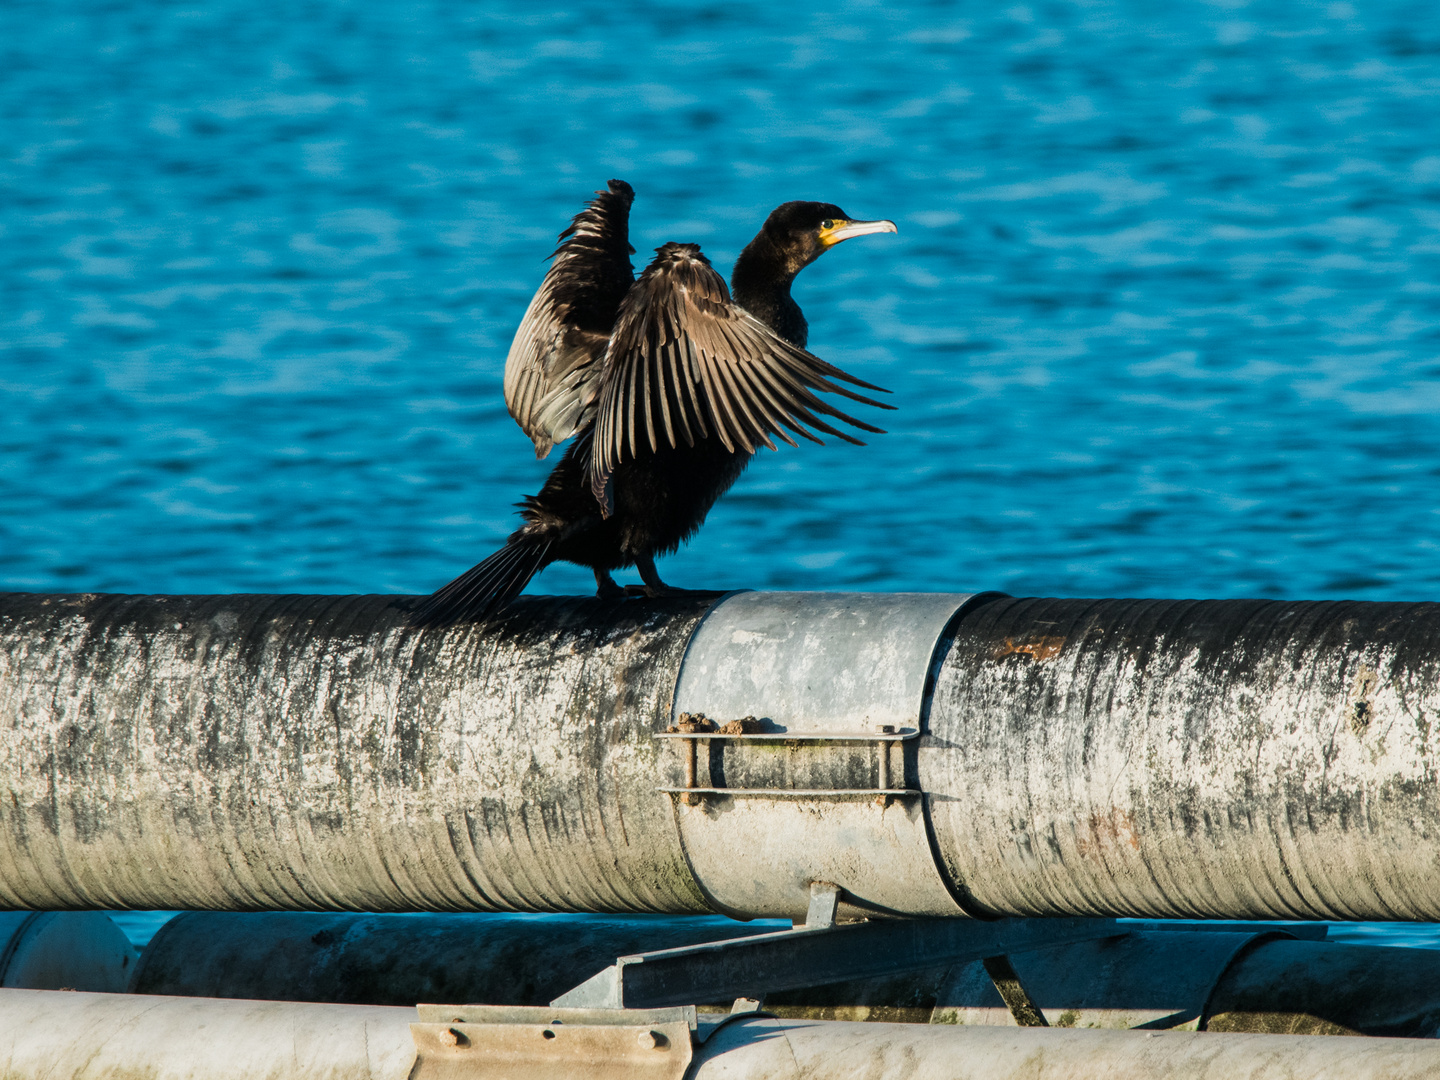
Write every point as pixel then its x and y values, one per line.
pixel 827 224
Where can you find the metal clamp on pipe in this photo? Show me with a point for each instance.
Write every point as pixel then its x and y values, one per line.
pixel 833 689
pixel 696 732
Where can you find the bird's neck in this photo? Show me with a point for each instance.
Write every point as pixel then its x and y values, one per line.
pixel 760 283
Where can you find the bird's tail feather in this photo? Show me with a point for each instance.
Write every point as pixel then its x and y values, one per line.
pixel 486 587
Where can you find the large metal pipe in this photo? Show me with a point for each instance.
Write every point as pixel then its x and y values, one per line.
pixel 117 1037
pixel 929 755
pixel 312 752
pixel 1245 759
pixel 1312 988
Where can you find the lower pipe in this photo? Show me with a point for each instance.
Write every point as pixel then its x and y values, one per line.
pixel 63 950
pixel 79 1036
pixel 1234 977
pixel 790 1049
pixel 1313 988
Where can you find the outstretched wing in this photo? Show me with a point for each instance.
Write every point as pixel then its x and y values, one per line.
pixel 552 375
pixel 686 363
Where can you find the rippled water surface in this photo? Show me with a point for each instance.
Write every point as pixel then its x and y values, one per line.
pixel 1162 318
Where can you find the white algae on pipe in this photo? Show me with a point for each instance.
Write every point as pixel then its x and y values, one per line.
pixel 1241 759
pixel 310 752
pixel 1220 759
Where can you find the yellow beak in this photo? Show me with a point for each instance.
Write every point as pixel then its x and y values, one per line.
pixel 844 230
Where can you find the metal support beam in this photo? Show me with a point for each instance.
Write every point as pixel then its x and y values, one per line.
pixel 1012 991
pixel 814 956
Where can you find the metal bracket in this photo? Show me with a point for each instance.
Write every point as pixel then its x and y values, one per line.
pixel 814 956
pixel 883 737
pixel 497 1042
pixel 824 903
pixel 1017 999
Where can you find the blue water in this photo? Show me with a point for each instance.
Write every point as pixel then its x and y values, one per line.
pixel 1162 317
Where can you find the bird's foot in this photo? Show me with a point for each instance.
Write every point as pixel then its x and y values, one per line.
pixel 654 591
pixel 653 586
pixel 605 587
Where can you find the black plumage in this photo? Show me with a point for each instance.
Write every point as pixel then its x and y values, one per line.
pixel 668 386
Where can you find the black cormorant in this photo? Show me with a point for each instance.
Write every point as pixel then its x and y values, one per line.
pixel 668 386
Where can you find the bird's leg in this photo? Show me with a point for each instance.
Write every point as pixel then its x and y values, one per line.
pixel 653 585
pixel 605 587
pixel 648 574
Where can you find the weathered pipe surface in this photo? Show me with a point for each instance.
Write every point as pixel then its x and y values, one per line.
pixel 316 752
pixel 78 1036
pixel 74 1036
pixel 399 959
pixel 791 1049
pixel 1215 759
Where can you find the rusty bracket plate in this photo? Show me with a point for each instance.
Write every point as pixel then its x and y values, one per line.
pixel 485 1042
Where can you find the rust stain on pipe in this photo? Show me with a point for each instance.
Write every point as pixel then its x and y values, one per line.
pixel 1103 831
pixel 1038 649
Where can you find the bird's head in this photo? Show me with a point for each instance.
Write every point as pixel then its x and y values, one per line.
pixel 803 231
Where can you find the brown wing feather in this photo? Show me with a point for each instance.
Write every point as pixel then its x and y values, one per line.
pixel 552 373
pixel 683 359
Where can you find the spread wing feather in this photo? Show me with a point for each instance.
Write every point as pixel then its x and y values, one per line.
pixel 552 374
pixel 684 362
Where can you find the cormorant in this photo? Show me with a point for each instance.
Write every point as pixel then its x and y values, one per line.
pixel 668 385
